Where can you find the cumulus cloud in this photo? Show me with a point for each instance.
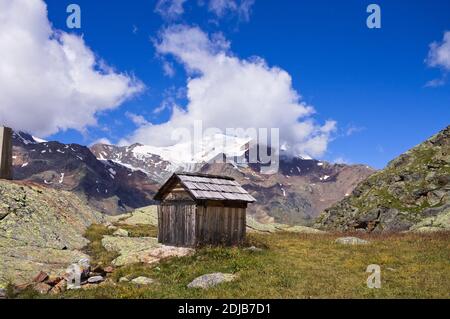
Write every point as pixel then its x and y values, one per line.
pixel 240 7
pixel 170 9
pixel 50 80
pixel 439 56
pixel 224 91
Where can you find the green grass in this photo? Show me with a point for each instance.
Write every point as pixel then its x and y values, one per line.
pixel 293 266
pixel 139 230
pixel 99 255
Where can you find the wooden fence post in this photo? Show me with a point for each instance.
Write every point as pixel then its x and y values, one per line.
pixel 5 153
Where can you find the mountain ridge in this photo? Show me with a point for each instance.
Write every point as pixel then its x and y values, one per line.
pixel 118 179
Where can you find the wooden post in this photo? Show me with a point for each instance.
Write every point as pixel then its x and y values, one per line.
pixel 5 153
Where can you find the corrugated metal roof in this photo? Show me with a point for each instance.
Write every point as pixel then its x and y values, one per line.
pixel 214 188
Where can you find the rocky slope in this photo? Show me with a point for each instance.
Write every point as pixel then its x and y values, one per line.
pixel 411 193
pixel 40 229
pixel 107 186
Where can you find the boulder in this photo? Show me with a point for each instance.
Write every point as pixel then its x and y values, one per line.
pixel 121 233
pixel 42 288
pixel 124 279
pixel 53 280
pixel 253 249
pixel 60 287
pixel 108 269
pixel 142 281
pixel 40 277
pixel 211 280
pixel 95 279
pixel 164 252
pixel 351 241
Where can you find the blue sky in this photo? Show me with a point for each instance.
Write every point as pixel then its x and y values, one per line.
pixel 370 81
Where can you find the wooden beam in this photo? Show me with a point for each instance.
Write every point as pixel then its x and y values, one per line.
pixel 5 153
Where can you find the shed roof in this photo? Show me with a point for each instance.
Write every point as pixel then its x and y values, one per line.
pixel 207 187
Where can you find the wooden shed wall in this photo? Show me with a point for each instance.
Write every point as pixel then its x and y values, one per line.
pixel 176 223
pixel 220 225
pixel 188 224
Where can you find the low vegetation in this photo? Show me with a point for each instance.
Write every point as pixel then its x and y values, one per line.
pixel 289 266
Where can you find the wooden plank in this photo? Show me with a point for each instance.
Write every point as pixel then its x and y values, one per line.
pixel 6 170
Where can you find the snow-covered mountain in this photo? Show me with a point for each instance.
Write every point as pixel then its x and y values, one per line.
pixel 105 185
pixel 159 162
pixel 115 179
pixel 299 190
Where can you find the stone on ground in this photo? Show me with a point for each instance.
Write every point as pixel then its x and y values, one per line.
pixel 95 279
pixel 253 249
pixel 211 280
pixel 42 288
pixel 141 250
pixel 351 241
pixel 40 277
pixel 142 281
pixel 124 279
pixel 121 233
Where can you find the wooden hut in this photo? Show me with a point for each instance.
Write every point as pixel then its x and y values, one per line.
pixel 199 209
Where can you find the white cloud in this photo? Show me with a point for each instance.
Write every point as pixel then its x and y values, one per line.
pixel 439 54
pixel 50 80
pixel 102 140
pixel 436 82
pixel 341 160
pixel 240 7
pixel 168 69
pixel 170 9
pixel 138 120
pixel 352 129
pixel 227 92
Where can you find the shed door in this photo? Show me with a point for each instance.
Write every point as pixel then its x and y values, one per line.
pixel 177 224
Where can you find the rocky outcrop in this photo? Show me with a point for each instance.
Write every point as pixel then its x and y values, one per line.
pixel 141 250
pixel 40 230
pixel 411 193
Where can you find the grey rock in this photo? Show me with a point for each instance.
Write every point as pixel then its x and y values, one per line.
pixel 412 188
pixel 121 233
pixel 253 249
pixel 211 280
pixel 2 293
pixel 143 281
pixel 351 241
pixel 124 279
pixel 95 279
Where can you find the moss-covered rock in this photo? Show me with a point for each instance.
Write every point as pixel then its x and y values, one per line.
pixel 40 229
pixel 411 192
